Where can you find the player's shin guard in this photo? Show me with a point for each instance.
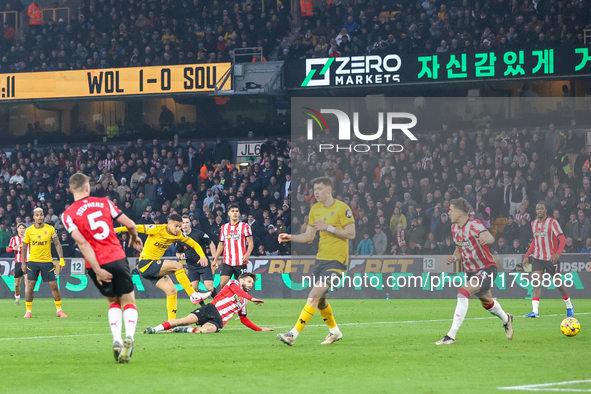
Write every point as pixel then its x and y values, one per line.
pixel 328 318
pixel 304 318
pixel 184 281
pixel 460 312
pixel 130 318
pixel 498 311
pixel 171 306
pixel 115 316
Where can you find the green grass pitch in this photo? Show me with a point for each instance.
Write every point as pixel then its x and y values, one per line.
pixel 388 347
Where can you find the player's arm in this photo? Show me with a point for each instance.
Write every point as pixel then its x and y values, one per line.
pixel 241 293
pixel 486 238
pixel 250 241
pixel 530 250
pixel 347 232
pixel 246 321
pixel 217 254
pixel 88 253
pixel 180 250
pixel 456 256
pixel 557 232
pixel 24 252
pixel 60 253
pixel 304 238
pixel 194 245
pixel 133 230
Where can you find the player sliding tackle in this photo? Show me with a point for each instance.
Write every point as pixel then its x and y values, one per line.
pixel 151 267
pixel 213 317
pixel 472 240
pixel 546 247
pixel 334 220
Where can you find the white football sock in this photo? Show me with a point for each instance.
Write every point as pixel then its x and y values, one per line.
pixel 498 311
pixel 115 316
pixel 295 333
pixel 130 317
pixel 459 315
pixel 334 330
pixel 568 303
pixel 535 306
pixel 159 328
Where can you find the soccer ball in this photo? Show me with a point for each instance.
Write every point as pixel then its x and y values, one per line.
pixel 570 327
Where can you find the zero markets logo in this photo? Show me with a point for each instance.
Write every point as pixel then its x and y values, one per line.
pixel 344 130
pixel 355 70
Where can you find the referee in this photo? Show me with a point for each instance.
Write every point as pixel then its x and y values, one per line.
pixel 39 237
pixel 197 272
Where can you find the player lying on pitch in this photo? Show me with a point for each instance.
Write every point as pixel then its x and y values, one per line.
pixel 213 317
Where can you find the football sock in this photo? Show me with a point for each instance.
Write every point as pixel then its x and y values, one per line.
pixel 328 318
pixel 29 306
pixel 130 319
pixel 459 315
pixel 184 281
pixel 214 292
pixel 171 306
pixel 304 318
pixel 535 305
pixel 498 311
pixel 567 301
pixel 17 292
pixel 115 316
pixel 162 327
pixel 58 305
pixel 201 303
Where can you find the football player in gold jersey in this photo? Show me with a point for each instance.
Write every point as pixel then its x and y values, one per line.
pixel 156 270
pixel 334 220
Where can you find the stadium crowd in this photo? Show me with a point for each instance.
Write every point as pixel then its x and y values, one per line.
pixel 149 182
pixel 400 201
pixel 102 34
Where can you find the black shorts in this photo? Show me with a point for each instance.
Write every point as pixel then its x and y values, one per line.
pixel 228 270
pixel 150 269
pixel 120 284
pixel 484 278
pixel 326 269
pixel 545 266
pixel 47 271
pixel 209 314
pixel 199 273
pixel 18 270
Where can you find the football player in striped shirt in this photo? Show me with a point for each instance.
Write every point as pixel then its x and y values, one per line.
pixel 236 243
pixel 547 245
pixel 472 240
pixel 15 245
pixel 213 317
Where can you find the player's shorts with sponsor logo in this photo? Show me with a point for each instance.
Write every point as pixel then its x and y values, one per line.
pixel 326 269
pixel 546 266
pixel 209 314
pixel 484 278
pixel 228 270
pixel 196 272
pixel 47 271
pixel 18 270
pixel 150 269
pixel 121 282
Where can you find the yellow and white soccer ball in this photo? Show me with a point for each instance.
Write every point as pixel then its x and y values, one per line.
pixel 570 326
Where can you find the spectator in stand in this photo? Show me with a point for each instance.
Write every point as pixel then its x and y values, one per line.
pixel 570 246
pixel 380 241
pixel 587 247
pixel 365 247
pixel 582 229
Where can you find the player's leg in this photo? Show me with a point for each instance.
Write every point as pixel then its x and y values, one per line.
pixel 17 290
pixel 167 286
pixel 130 317
pixel 570 309
pixel 460 312
pixel 55 292
pixel 191 318
pixel 328 317
pixel 32 275
pixel 537 293
pixel 115 317
pixel 176 268
pixel 318 292
pixel 225 275
pixel 495 308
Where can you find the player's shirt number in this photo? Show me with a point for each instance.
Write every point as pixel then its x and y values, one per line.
pixel 98 224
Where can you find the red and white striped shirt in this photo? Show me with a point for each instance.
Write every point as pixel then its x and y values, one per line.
pixel 228 303
pixel 519 216
pixel 545 239
pixel 234 239
pixel 474 256
pixel 14 243
pixel 109 164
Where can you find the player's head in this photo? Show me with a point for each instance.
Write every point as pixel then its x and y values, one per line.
pixel 38 215
pixel 20 228
pixel 186 226
pixel 322 188
pixel 541 210
pixel 234 212
pixel 246 281
pixel 80 183
pixel 175 222
pixel 458 209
